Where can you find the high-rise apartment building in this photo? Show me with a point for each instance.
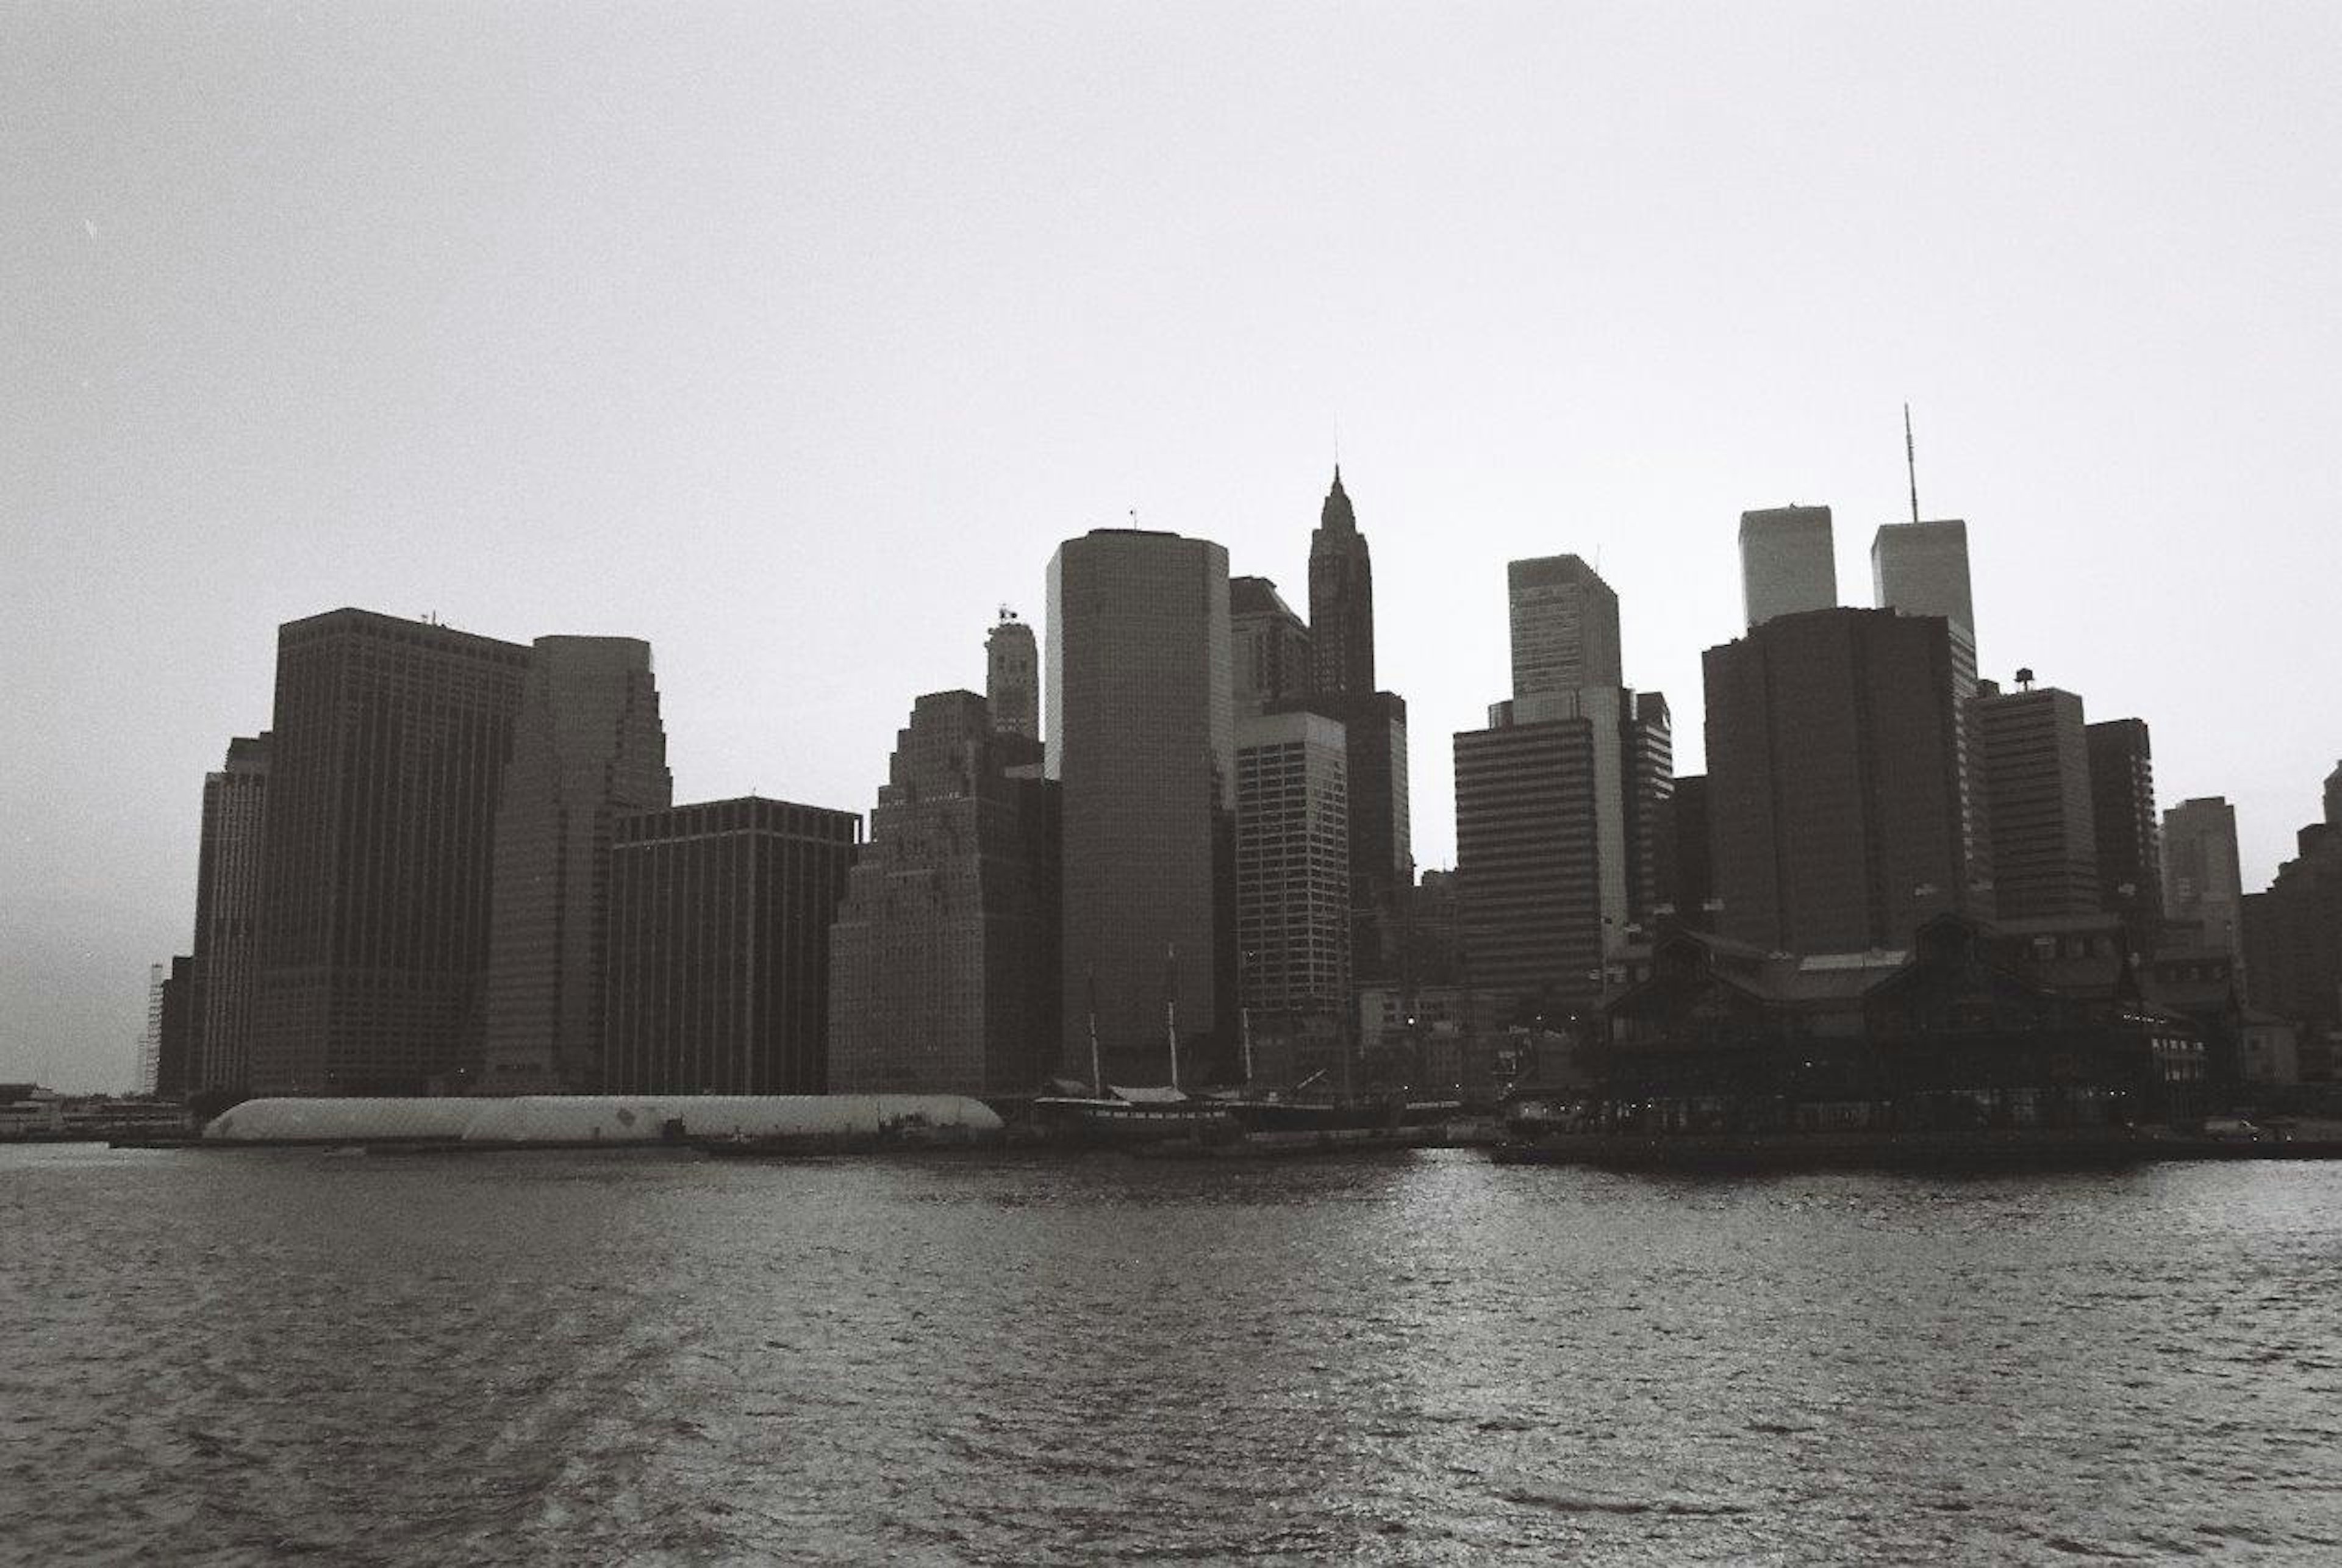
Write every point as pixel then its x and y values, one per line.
pixel 1292 862
pixel 2122 810
pixel 719 946
pixel 587 746
pixel 1142 737
pixel 2036 770
pixel 942 962
pixel 386 766
pixel 1787 564
pixel 227 917
pixel 2203 886
pixel 1565 627
pixel 1833 793
pixel 1012 678
pixel 1269 658
pixel 1341 600
pixel 1528 862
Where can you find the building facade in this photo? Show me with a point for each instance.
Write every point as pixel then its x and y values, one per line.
pixel 1142 739
pixel 1293 864
pixel 1834 789
pixel 1012 678
pixel 1529 864
pixel 719 947
pixel 1922 569
pixel 386 763
pixel 227 917
pixel 2037 770
pixel 1787 563
pixel 1269 659
pixel 588 747
pixel 2123 814
pixel 2203 886
pixel 943 965
pixel 1565 627
pixel 1341 600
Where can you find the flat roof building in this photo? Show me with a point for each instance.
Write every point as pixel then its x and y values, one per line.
pixel 1787 564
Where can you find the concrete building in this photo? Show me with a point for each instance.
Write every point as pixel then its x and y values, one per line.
pixel 1141 738
pixel 588 747
pixel 1528 863
pixel 1787 563
pixel 1565 627
pixel 2129 841
pixel 1688 890
pixel 1341 600
pixel 719 946
pixel 1269 658
pixel 1012 678
pixel 386 763
pixel 2037 770
pixel 1382 859
pixel 2203 887
pixel 227 917
pixel 943 975
pixel 146 1062
pixel 1293 864
pixel 1834 789
pixel 174 1040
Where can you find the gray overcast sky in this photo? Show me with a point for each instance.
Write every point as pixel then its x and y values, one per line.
pixel 793 338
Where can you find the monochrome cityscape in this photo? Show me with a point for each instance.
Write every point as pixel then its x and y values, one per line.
pixel 1168 844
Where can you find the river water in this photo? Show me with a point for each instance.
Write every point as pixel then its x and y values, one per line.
pixel 547 1358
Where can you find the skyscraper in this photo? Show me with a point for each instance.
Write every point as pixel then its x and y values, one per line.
pixel 1787 563
pixel 228 916
pixel 386 763
pixel 1648 752
pixel 719 946
pixel 943 965
pixel 587 746
pixel 2122 810
pixel 1292 862
pixel 1832 781
pixel 1528 862
pixel 2334 797
pixel 1565 627
pixel 1269 660
pixel 1012 678
pixel 1341 600
pixel 2202 884
pixel 1922 569
pixel 1142 736
pixel 2037 770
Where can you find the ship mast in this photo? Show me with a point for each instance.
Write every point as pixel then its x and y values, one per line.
pixel 1171 1008
pixel 1098 1071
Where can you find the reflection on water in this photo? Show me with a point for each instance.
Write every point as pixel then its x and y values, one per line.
pixel 646 1357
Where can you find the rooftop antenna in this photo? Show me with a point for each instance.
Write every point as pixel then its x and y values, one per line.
pixel 1911 462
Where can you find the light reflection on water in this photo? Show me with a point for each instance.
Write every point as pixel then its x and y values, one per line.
pixel 557 1358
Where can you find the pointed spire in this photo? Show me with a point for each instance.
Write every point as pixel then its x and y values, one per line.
pixel 1337 513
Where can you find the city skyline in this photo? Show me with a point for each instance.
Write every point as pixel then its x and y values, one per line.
pixel 613 380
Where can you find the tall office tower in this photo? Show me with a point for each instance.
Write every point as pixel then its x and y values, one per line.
pixel 2202 886
pixel 2334 797
pixel 719 946
pixel 1787 563
pixel 174 1030
pixel 1647 750
pixel 2037 772
pixel 1011 677
pixel 387 761
pixel 1292 862
pixel 1692 887
pixel 228 916
pixel 147 1067
pixel 1526 857
pixel 1832 781
pixel 1381 855
pixel 1269 660
pixel 1565 625
pixel 1922 569
pixel 1341 600
pixel 1566 665
pixel 587 747
pixel 2122 808
pixel 1142 736
pixel 942 959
